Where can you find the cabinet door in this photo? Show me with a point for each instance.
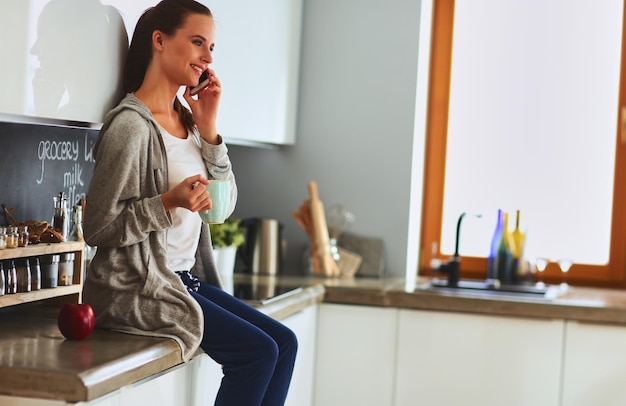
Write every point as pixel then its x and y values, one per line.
pixel 355 355
pixel 170 388
pixel 304 325
pixel 207 374
pixel 256 57
pixel 205 380
pixel 63 60
pixel 594 366
pixel 111 399
pixel 463 359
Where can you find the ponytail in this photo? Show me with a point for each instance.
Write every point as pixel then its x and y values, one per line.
pixel 184 115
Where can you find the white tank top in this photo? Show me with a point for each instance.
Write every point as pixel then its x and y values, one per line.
pixel 184 159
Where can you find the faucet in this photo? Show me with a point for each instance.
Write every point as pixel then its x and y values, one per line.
pixel 452 266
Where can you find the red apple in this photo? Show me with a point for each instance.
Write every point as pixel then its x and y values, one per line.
pixel 76 321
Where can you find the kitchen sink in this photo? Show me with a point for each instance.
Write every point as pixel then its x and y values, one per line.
pixel 490 289
pixel 264 293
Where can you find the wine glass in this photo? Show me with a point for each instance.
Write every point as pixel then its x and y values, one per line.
pixel 540 265
pixel 565 264
pixel 338 220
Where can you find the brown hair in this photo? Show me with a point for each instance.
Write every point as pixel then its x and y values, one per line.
pixel 167 16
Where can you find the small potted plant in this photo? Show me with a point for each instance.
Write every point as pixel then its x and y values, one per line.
pixel 226 238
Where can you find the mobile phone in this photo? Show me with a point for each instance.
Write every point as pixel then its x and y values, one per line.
pixel 202 83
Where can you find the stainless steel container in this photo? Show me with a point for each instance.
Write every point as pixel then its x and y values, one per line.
pixel 49 270
pixel 22 270
pixel 263 251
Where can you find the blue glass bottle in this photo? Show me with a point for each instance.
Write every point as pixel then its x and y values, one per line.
pixel 492 264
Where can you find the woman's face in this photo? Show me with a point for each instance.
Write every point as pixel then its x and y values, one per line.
pixel 187 53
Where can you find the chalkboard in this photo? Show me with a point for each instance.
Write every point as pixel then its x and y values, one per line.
pixel 37 162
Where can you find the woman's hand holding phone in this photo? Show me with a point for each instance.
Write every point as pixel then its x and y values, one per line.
pixel 203 83
pixel 204 104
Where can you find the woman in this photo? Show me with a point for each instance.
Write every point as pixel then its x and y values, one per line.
pixel 142 203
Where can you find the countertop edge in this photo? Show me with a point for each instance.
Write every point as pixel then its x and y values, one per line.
pixel 288 306
pixel 588 305
pixel 136 367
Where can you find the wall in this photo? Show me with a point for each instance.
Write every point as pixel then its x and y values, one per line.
pixel 358 134
pixel 355 135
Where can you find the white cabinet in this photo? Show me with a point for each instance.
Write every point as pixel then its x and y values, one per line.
pixel 170 388
pixel 206 377
pixel 462 359
pixel 206 374
pixel 304 324
pixel 65 61
pixel 594 366
pixel 355 355
pixel 257 58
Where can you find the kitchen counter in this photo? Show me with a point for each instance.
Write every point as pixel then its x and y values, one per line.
pixel 37 362
pixel 581 304
pixel 596 305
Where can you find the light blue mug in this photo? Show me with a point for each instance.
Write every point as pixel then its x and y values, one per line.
pixel 219 192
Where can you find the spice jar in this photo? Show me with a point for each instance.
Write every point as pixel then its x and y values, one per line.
pixel 76 224
pixel 49 270
pixel 3 238
pixel 22 236
pixel 22 268
pixel 12 237
pixel 11 278
pixel 66 269
pixel 2 280
pixel 35 274
pixel 61 220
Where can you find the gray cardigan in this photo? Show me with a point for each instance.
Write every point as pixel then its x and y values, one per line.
pixel 128 283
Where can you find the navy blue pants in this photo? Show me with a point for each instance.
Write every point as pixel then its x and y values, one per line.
pixel 257 353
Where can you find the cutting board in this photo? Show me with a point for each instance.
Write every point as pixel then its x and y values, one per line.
pixel 371 250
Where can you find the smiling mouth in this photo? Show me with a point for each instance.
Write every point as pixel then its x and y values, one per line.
pixel 198 69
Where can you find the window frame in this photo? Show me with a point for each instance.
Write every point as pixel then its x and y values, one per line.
pixel 613 274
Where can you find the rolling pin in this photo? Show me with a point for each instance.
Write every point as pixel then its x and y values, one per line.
pixel 303 217
pixel 320 234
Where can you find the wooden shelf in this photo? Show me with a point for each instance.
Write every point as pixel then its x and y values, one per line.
pixel 37 295
pixel 41 249
pixel 65 294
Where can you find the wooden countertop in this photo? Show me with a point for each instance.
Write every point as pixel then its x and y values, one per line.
pixel 37 362
pixel 576 303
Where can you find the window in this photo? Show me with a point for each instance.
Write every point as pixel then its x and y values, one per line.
pixel 523 114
